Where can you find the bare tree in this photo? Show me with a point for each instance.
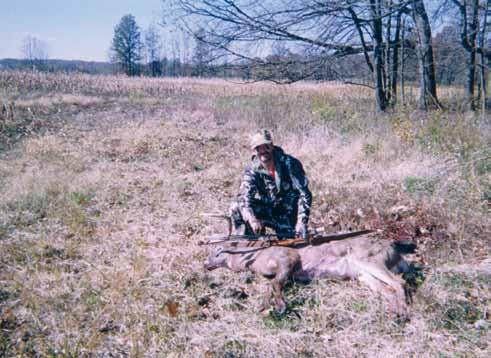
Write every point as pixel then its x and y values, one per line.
pixel 472 16
pixel 153 47
pixel 203 54
pixel 35 51
pixel 450 55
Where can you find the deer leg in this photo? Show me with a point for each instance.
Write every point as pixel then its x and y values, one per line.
pixel 266 301
pixel 386 284
pixel 279 300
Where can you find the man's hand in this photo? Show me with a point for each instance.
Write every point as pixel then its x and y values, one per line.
pixel 256 225
pixel 302 231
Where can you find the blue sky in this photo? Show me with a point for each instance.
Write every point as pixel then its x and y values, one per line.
pixel 72 29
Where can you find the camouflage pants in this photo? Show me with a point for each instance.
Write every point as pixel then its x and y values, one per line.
pixel 282 219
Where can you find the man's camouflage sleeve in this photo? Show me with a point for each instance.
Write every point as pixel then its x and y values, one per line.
pixel 301 184
pixel 247 191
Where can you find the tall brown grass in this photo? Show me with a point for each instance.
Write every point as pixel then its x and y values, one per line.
pixel 100 207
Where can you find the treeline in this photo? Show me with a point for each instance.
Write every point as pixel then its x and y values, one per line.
pixel 449 59
pixel 53 65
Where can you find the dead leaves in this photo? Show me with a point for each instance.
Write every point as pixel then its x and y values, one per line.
pixel 171 308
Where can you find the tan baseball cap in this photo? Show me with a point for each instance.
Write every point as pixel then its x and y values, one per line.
pixel 260 138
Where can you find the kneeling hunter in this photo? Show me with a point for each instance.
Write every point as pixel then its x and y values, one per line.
pixel 273 193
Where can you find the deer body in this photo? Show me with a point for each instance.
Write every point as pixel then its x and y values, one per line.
pixel 371 260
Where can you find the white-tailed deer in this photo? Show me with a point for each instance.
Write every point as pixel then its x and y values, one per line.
pixel 371 260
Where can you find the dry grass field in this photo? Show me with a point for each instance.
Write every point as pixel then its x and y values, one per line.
pixel 103 181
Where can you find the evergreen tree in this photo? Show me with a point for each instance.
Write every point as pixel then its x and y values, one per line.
pixel 127 46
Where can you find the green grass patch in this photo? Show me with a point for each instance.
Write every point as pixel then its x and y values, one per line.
pixel 78 221
pixel 455 281
pixel 418 186
pixel 359 306
pixel 483 163
pixel 456 313
pixel 4 230
pixel 5 344
pixel 371 149
pixel 81 199
pixel 4 295
pixel 289 320
pixel 31 207
pixel 54 201
pixel 53 252
pixel 93 298
pixel 232 348
pixel 445 133
pixel 330 113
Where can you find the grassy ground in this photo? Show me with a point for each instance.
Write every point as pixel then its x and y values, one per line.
pixel 103 180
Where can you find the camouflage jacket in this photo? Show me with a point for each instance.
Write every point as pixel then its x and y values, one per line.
pixel 289 185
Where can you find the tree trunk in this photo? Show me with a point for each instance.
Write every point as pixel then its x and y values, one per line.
pixel 468 35
pixel 395 59
pixel 427 94
pixel 484 82
pixel 387 66
pixel 470 82
pixel 380 94
pixel 403 38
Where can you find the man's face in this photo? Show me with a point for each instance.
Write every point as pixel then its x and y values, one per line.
pixel 264 153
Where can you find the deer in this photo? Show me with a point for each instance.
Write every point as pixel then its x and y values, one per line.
pixel 369 259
